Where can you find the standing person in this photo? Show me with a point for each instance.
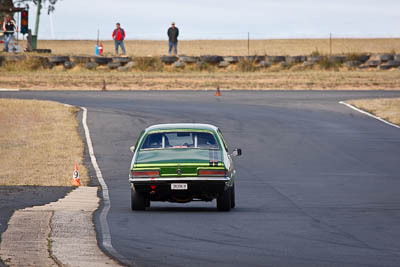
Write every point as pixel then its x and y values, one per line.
pixel 173 33
pixel 9 26
pixel 118 37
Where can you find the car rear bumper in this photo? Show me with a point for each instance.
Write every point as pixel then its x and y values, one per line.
pixel 181 179
pixel 195 185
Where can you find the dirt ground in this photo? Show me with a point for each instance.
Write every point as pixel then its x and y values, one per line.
pixel 386 108
pixel 283 47
pixel 81 79
pixel 39 143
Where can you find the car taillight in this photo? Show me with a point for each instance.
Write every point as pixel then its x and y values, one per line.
pixel 212 173
pixel 145 173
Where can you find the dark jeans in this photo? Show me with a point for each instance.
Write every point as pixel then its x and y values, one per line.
pixel 121 44
pixel 175 45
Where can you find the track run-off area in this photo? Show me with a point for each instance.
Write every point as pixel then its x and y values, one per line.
pixel 318 183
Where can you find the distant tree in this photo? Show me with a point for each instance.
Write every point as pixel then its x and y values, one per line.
pixel 50 7
pixel 39 5
pixel 5 4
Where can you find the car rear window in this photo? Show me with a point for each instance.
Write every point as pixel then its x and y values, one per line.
pixel 201 140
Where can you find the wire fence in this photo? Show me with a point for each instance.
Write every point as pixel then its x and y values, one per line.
pixel 47 34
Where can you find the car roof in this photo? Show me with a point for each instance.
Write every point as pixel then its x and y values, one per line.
pixel 181 126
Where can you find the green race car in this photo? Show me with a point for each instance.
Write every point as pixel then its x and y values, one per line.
pixel 181 163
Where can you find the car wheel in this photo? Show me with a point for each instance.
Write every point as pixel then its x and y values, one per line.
pixel 233 201
pixel 147 202
pixel 138 200
pixel 224 200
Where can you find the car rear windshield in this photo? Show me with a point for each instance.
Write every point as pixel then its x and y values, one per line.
pixel 201 140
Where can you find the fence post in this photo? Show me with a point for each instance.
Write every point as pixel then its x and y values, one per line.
pixel 248 43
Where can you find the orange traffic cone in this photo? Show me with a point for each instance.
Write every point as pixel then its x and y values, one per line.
pixel 218 93
pixel 76 180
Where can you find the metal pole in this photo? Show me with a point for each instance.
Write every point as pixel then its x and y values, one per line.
pixel 39 7
pixel 330 43
pixel 248 43
pixel 19 23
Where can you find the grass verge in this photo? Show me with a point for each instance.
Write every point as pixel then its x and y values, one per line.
pixel 386 108
pixel 203 80
pixel 39 143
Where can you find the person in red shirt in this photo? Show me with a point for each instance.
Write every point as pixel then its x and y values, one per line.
pixel 118 37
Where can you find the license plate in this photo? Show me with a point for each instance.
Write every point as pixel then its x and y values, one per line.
pixel 179 187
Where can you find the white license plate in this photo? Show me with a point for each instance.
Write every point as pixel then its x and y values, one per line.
pixel 179 187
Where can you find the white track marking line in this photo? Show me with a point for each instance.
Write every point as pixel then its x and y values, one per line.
pixel 105 230
pixel 8 90
pixel 369 114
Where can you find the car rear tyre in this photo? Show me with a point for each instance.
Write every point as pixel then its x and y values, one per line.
pixel 224 200
pixel 233 201
pixel 138 200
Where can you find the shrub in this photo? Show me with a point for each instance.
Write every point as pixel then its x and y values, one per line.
pixel 353 56
pixel 29 64
pixel 315 53
pixel 204 66
pixel 327 64
pixel 149 64
pixel 246 65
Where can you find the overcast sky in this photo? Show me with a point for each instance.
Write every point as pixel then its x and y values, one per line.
pixel 221 19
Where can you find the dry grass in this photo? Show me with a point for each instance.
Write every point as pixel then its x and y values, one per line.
pixel 80 79
pixel 230 47
pixel 386 108
pixel 39 143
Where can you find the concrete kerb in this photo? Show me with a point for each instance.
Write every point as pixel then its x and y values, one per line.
pixel 60 232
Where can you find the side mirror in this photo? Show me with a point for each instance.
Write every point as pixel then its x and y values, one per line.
pixel 237 152
pixel 132 148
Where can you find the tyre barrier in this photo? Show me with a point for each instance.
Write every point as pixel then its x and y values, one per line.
pixel 337 59
pixel 101 60
pixel 373 63
pixel 295 59
pixel 168 59
pixel 223 64
pixel 186 59
pixel 179 65
pixel 42 51
pixel 113 65
pixel 122 60
pixel 212 62
pixel 91 65
pixel 231 59
pixel 69 65
pixel 352 63
pixel 255 59
pixel 211 59
pixel 314 59
pixel 80 59
pixel 275 59
pixel 382 57
pixel 58 60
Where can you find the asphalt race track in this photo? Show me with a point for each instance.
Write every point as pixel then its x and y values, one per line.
pixel 318 183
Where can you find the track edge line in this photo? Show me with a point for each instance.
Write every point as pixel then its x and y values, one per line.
pixel 369 114
pixel 105 229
